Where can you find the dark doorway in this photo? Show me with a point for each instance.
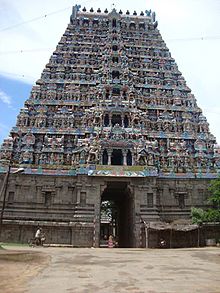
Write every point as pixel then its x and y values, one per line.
pixel 126 121
pixel 115 74
pixel 129 158
pixel 115 59
pixel 48 198
pixel 116 91
pixel 116 119
pixel 117 157
pixel 117 217
pixel 105 158
pixel 106 120
pixel 114 23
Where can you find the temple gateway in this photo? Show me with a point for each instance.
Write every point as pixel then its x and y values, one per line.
pixel 111 140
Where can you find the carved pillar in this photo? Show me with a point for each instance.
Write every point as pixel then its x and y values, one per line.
pixel 132 158
pixel 122 120
pixel 109 156
pixel 124 153
pixel 101 157
pixel 110 120
pixel 78 190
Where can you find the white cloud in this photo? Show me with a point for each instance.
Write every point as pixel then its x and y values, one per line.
pixel 5 98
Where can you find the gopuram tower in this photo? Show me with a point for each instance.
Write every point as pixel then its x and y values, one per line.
pixel 110 123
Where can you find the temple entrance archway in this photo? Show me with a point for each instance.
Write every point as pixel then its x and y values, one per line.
pixel 117 215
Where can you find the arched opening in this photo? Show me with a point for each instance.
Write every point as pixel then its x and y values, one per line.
pixel 115 91
pixel 132 26
pixel 126 121
pixel 114 23
pixel 136 121
pixel 115 59
pixel 125 95
pixel 85 22
pixel 116 119
pixel 95 22
pixel 115 74
pixel 117 157
pixel 129 158
pixel 114 48
pixel 141 25
pixel 97 120
pixel 117 218
pixel 105 158
pixel 106 120
pixel 107 94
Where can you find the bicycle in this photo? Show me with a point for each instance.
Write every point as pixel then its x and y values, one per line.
pixel 35 242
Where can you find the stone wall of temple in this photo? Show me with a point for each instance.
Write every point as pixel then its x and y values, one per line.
pixel 68 209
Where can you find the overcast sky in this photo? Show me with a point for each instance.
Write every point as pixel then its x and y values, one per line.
pixel 30 31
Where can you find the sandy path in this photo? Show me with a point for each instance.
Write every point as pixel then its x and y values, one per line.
pixel 17 267
pixel 86 270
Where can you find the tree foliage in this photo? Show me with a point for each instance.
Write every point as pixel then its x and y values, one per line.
pixel 197 215
pixel 215 193
pixel 200 216
pixel 106 208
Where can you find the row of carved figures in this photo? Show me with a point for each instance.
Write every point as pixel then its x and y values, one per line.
pixel 164 148
pixel 161 99
pixel 94 156
pixel 90 121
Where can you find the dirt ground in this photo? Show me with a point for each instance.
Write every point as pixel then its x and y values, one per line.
pixel 88 270
pixel 17 267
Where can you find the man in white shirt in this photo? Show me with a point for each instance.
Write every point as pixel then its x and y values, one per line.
pixel 38 236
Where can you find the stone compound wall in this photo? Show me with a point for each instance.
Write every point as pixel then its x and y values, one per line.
pixel 68 208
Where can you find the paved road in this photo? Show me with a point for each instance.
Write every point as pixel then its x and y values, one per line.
pixel 77 270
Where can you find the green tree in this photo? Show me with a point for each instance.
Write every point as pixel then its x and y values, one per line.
pixel 107 208
pixel 200 216
pixel 197 215
pixel 215 193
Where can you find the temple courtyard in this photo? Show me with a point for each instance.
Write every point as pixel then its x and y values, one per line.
pixel 106 270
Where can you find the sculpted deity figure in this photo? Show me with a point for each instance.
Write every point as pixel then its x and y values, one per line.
pixel 150 160
pixel 141 154
pixel 93 156
pixel 27 157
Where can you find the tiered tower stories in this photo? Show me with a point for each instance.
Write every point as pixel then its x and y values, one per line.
pixel 112 94
pixel 111 118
